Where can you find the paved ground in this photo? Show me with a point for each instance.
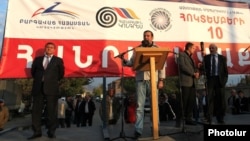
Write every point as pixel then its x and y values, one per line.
pixel 19 130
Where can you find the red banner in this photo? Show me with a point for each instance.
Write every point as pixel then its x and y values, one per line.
pixel 96 58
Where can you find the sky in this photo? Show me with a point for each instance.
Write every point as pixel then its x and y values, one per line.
pixel 233 79
pixel 3 7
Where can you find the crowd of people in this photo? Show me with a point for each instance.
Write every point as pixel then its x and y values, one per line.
pixel 238 102
pixel 84 109
pixel 76 110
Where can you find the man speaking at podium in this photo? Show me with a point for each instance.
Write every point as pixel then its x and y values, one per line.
pixel 143 88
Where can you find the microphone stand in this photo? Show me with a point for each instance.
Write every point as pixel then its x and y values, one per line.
pixel 203 71
pixel 122 133
pixel 121 55
pixel 246 49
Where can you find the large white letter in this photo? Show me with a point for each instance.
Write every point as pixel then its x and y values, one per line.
pixel 243 57
pixel 78 62
pixel 210 131
pixel 105 55
pixel 27 55
pixel 229 58
pixel 60 51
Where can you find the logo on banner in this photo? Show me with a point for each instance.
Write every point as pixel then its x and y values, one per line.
pixel 55 23
pixel 108 17
pixel 51 10
pixel 160 19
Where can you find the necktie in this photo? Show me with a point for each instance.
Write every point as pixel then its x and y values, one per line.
pixel 46 62
pixel 213 65
pixel 111 109
pixel 86 107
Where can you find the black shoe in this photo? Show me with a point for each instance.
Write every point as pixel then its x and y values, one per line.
pixel 51 135
pixel 178 124
pixel 137 135
pixel 221 122
pixel 34 136
pixel 160 134
pixel 190 122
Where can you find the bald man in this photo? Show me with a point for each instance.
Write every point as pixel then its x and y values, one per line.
pixel 217 76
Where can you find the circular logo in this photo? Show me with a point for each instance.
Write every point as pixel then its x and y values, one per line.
pixel 160 19
pixel 106 17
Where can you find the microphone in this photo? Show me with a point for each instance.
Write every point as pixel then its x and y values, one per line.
pixel 145 43
pixel 202 46
pixel 246 49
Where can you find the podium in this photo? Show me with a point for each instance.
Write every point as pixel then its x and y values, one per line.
pixel 151 59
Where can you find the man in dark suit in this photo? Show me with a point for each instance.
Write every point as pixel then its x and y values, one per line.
pixel 47 71
pixel 231 101
pixel 79 111
pixel 188 74
pixel 89 110
pixel 217 76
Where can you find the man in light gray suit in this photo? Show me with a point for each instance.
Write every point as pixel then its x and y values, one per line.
pixel 188 74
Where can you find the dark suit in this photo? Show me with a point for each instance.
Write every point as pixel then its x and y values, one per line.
pixel 88 116
pixel 231 101
pixel 46 89
pixel 79 113
pixel 204 102
pixel 241 104
pixel 216 87
pixel 187 82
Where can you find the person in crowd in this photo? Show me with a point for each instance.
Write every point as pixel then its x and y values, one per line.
pixel 69 111
pixel 88 110
pixel 75 100
pixel 188 75
pixel 217 76
pixel 242 103
pixel 47 71
pixel 61 113
pixel 204 104
pixel 175 104
pixel 130 107
pixel 231 101
pixel 143 88
pixel 197 108
pixel 163 108
pixel 171 112
pixel 4 114
pixel 113 108
pixel 79 111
